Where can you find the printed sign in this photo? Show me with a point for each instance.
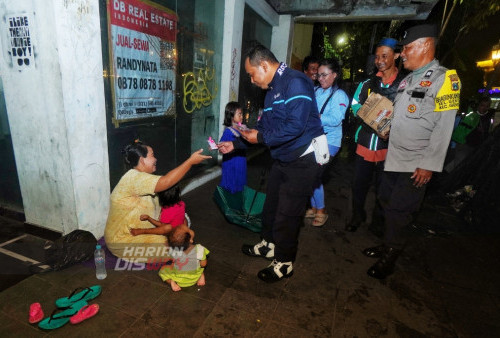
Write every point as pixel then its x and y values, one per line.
pixel 21 42
pixel 143 59
pixel 448 97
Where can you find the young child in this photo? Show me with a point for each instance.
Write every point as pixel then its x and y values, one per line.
pixel 188 260
pixel 173 211
pixel 234 164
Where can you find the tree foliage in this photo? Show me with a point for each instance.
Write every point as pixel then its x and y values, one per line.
pixel 352 53
pixel 464 16
pixel 459 20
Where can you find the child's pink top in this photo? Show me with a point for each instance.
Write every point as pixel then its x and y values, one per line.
pixel 173 215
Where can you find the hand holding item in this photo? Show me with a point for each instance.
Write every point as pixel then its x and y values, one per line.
pixel 386 136
pixel 421 177
pixel 250 135
pixel 197 157
pixel 144 217
pixel 225 147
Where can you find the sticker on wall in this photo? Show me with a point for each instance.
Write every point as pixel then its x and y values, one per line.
pixel 143 59
pixel 20 41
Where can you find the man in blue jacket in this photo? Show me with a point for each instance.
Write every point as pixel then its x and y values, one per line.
pixel 288 125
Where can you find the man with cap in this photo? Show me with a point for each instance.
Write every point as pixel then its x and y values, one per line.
pixel 371 149
pixel 424 113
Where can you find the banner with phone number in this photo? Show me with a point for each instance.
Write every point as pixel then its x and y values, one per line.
pixel 143 54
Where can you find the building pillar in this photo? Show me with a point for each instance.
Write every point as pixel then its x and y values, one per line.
pixel 231 46
pixel 54 95
pixel 281 41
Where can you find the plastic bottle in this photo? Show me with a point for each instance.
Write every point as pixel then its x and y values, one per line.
pixel 100 262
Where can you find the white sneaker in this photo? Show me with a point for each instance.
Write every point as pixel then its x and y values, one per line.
pixel 262 249
pixel 276 271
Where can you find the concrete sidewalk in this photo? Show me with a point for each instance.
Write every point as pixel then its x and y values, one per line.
pixel 445 285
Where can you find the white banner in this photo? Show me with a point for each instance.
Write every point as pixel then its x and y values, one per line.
pixel 143 55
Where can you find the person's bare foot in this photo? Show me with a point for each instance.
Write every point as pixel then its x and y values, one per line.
pixel 174 286
pixel 201 280
pixel 136 232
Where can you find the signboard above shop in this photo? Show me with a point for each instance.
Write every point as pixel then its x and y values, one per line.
pixel 143 57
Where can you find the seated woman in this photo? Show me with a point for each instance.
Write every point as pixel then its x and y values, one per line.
pixel 134 195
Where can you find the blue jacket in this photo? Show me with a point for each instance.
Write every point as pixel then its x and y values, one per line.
pixel 290 119
pixel 334 112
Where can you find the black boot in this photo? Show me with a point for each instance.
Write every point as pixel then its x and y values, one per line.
pixel 385 265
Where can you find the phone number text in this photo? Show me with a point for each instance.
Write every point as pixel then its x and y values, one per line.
pixel 142 83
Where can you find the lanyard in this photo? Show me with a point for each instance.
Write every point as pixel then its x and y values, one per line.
pixel 334 89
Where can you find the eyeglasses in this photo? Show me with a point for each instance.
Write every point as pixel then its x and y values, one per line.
pixel 323 75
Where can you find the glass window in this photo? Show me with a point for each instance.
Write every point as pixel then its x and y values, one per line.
pixel 195 100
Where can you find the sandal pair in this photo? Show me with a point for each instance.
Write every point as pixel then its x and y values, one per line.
pixel 60 317
pixel 73 308
pixel 75 314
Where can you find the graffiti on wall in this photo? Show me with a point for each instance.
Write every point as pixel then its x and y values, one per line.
pixel 233 92
pixel 199 89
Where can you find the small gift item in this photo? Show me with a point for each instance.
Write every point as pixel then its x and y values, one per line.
pixel 211 143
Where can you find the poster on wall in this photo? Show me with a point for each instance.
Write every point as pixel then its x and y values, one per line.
pixel 142 39
pixel 20 45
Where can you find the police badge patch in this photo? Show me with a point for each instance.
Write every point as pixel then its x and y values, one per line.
pixel 448 97
pixel 455 82
pixel 412 108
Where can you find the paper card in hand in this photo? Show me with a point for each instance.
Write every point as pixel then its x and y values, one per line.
pixel 377 112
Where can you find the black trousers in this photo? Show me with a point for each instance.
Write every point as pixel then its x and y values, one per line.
pixel 400 200
pixel 363 173
pixel 289 187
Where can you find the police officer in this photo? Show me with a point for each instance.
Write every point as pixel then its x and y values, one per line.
pixel 424 114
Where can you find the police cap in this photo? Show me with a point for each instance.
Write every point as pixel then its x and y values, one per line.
pixel 420 31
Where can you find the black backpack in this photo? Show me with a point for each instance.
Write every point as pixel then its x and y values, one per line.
pixel 76 247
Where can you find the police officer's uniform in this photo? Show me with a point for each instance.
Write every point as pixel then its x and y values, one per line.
pixel 424 115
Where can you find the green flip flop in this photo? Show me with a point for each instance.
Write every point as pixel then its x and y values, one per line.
pixel 61 316
pixel 85 294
